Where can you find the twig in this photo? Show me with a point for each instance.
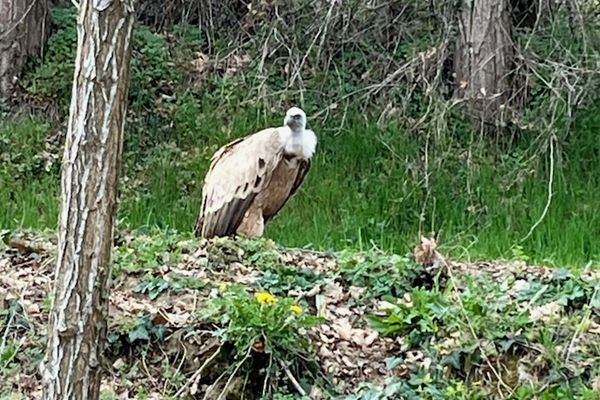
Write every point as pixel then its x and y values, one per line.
pixel 146 369
pixel 244 386
pixel 8 326
pixel 391 78
pixel 198 373
pixel 14 354
pixel 550 186
pixel 237 367
pixel 6 32
pixel 322 29
pixel 211 387
pixel 292 379
pixel 183 358
pixel 25 263
pixel 264 392
pixel 6 330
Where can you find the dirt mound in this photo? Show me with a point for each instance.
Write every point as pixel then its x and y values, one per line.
pixel 160 344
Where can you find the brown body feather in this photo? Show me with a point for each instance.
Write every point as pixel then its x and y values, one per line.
pixel 247 184
pixel 286 180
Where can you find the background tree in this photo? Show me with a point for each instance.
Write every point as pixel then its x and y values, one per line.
pixel 91 161
pixel 24 27
pixel 483 58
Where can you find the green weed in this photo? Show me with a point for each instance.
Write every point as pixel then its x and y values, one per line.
pixel 146 252
pixel 154 286
pixel 276 323
pixel 136 330
pixel 490 323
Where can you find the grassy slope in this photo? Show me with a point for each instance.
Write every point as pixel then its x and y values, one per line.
pixel 358 193
pixel 367 186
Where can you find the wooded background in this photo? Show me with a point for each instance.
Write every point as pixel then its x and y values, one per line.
pixel 476 120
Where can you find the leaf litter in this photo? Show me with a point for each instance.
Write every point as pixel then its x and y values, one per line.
pixel 155 299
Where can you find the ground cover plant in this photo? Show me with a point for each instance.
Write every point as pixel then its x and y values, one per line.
pixel 231 318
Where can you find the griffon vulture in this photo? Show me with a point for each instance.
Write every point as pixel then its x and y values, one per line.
pixel 250 179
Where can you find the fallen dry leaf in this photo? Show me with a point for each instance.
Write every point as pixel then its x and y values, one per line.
pixel 545 312
pixel 334 293
pixel 425 252
pixel 343 328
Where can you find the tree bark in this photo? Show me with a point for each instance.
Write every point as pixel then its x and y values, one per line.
pixel 483 58
pixel 91 163
pixel 24 28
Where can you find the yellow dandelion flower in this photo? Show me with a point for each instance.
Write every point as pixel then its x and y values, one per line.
pixel 223 286
pixel 296 308
pixel 265 297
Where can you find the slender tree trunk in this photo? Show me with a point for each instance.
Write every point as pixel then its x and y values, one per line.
pixel 484 57
pixel 91 162
pixel 24 27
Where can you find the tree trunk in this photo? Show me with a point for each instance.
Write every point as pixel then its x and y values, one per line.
pixel 24 27
pixel 483 58
pixel 91 162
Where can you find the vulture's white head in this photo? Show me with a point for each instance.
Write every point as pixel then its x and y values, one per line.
pixel 295 118
pixel 302 141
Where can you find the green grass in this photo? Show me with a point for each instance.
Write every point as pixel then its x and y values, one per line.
pixel 370 185
pixel 27 191
pixel 358 193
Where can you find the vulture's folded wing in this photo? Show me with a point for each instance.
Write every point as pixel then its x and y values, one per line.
pixel 238 172
pixel 303 168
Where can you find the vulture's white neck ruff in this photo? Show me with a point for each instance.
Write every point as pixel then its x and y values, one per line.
pixel 299 142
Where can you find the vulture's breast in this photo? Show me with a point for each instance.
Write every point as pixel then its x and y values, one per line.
pixel 278 190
